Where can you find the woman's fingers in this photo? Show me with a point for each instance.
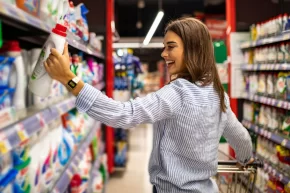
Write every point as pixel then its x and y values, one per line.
pixel 65 51
pixel 53 59
pixel 55 53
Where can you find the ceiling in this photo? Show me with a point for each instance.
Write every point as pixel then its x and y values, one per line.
pixel 127 14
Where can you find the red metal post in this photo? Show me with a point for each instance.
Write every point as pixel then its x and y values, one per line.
pixel 109 80
pixel 231 27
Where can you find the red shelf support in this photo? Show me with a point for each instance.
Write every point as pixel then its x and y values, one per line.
pixel 109 80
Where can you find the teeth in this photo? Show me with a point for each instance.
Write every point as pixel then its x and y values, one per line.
pixel 169 62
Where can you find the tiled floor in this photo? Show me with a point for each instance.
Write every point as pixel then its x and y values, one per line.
pixel 135 179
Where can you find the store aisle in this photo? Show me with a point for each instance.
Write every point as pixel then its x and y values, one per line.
pixel 135 178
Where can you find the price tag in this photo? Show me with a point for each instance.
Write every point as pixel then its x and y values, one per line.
pixel 269 169
pixel 266 133
pixel 279 104
pixel 257 129
pixel 40 119
pixel 4 144
pixel 269 135
pixel 69 173
pixel 284 142
pixel 286 37
pixel 21 132
pixel 285 105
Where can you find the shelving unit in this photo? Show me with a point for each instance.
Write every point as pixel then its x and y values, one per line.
pixel 250 44
pixel 18 17
pixel 13 135
pixel 72 166
pixel 279 139
pixel 266 67
pixel 268 101
pixel 273 171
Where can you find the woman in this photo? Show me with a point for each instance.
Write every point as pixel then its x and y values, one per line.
pixel 189 115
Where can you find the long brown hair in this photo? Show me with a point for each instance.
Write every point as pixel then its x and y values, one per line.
pixel 198 54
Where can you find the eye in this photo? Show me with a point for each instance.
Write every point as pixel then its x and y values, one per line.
pixel 170 47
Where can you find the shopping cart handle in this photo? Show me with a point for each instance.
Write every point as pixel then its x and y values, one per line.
pixel 256 164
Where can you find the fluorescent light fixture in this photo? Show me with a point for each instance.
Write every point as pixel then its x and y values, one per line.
pixel 137 45
pixel 153 27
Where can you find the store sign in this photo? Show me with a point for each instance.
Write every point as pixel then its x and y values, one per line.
pixel 217 28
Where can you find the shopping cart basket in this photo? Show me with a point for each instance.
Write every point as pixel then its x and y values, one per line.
pixel 232 178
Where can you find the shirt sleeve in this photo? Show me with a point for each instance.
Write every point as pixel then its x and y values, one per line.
pixel 149 109
pixel 238 137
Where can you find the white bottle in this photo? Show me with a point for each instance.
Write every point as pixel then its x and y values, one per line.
pixel 34 100
pixel 40 81
pixel 17 78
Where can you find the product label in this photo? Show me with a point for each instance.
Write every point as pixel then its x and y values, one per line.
pixel 39 70
pixel 281 84
pixel 22 178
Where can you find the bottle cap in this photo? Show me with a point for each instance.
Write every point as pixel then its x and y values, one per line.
pixel 11 46
pixel 60 30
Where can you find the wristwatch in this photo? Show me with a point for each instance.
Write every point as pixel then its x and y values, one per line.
pixel 73 83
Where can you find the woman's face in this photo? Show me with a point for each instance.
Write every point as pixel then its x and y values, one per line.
pixel 173 53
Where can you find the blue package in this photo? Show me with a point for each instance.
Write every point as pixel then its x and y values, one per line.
pixel 5 70
pixel 6 96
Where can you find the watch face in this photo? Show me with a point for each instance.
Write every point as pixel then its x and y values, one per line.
pixel 72 84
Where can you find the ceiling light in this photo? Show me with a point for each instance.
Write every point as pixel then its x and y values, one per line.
pixel 153 27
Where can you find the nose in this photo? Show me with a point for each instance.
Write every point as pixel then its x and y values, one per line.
pixel 164 54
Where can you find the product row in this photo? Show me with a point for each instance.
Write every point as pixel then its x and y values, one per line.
pixel 61 11
pixel 279 158
pixel 127 71
pixel 36 164
pixel 274 84
pixel 271 27
pixel 273 119
pixel 274 54
pixel 18 68
pixel 121 147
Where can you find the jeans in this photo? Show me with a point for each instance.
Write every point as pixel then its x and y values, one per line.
pixel 154 189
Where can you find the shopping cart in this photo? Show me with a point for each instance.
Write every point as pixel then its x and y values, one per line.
pixel 232 178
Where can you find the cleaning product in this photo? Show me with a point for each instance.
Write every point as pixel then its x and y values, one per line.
pixel 48 10
pixel 40 81
pixel 66 148
pixel 97 183
pixel 34 100
pixel 5 71
pixel 82 23
pixel 72 18
pixel 5 168
pixel 18 76
pixel 6 97
pixel 30 6
pixel 34 168
pixel 21 162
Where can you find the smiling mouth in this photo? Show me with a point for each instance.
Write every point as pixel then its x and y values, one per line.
pixel 169 63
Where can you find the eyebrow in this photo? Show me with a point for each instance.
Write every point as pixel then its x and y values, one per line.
pixel 171 42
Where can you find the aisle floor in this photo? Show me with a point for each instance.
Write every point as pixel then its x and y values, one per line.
pixel 135 178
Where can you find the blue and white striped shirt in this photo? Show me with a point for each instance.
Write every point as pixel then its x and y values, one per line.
pixel 188 125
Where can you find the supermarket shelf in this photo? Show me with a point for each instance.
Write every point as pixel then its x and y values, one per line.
pixel 250 44
pixel 13 135
pixel 266 67
pixel 274 172
pixel 72 166
pixel 285 142
pixel 21 17
pixel 268 101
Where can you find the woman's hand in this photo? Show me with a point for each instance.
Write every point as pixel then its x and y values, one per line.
pixel 58 65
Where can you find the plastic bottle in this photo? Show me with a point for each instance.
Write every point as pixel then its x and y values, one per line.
pixel 40 81
pixel 18 76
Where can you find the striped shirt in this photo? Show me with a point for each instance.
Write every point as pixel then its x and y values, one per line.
pixel 188 125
